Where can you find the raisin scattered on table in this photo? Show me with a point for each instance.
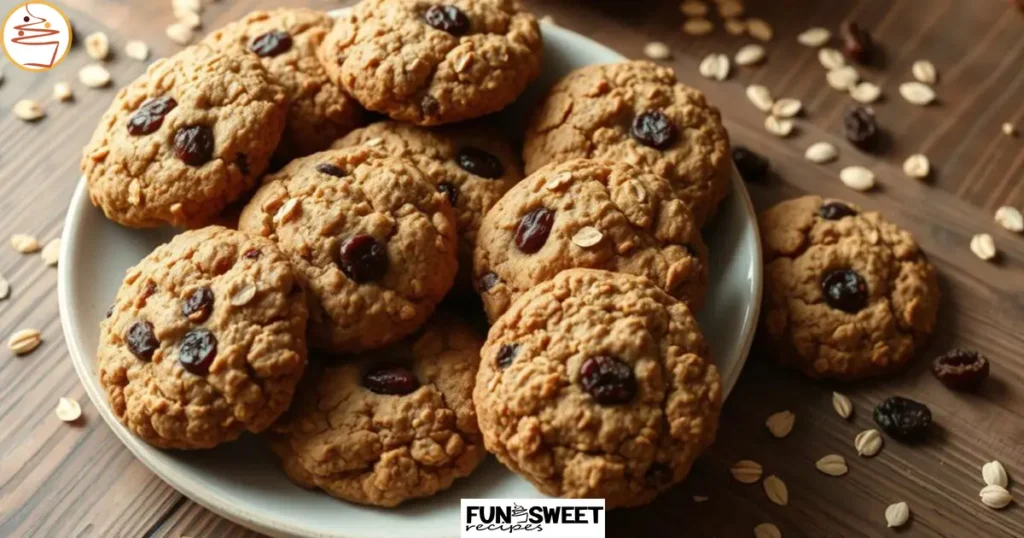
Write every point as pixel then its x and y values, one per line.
pixel 845 290
pixel 533 230
pixel 363 258
pixel 141 340
pixel 835 210
pixel 150 116
pixel 857 42
pixel 449 190
pixel 506 355
pixel 653 129
pixel 198 305
pixel 197 351
pixel 861 128
pixel 608 379
pixel 752 167
pixel 961 369
pixel 391 380
pixel 447 18
pixel 480 163
pixel 903 418
pixel 271 44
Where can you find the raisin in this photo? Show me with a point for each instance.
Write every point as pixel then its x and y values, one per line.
pixel 961 369
pixel 252 254
pixel 752 167
pixel 110 311
pixel 533 230
pixel 506 355
pixel 429 105
pixel 447 18
pixel 271 44
pixel 857 42
pixel 242 162
pixel 330 169
pixel 658 474
pixel 363 258
pixel 653 129
pixel 835 210
pixel 903 418
pixel 449 190
pixel 846 290
pixel 194 145
pixel 480 163
pixel 198 306
pixel 141 340
pixel 861 128
pixel 197 351
pixel 488 281
pixel 608 379
pixel 391 380
pixel 150 116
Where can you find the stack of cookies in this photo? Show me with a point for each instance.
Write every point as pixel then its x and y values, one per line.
pixel 317 317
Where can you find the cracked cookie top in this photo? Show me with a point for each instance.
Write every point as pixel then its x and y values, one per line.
pixel 847 294
pixel 371 238
pixel 390 425
pixel 431 63
pixel 591 214
pixel 286 41
pixel 636 112
pixel 184 140
pixel 205 340
pixel 598 384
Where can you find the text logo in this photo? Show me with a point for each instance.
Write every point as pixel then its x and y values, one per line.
pixel 543 518
pixel 36 36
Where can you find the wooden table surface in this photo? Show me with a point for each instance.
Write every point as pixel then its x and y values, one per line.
pixel 58 480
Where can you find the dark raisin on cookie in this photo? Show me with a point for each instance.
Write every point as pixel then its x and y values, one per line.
pixel 429 105
pixel 845 290
pixel 506 355
pixel 653 129
pixel 198 305
pixel 533 230
pixel 242 162
pixel 450 191
pixel 197 350
pixel 480 163
pixel 194 145
pixel 608 379
pixel 488 281
pixel 150 116
pixel 330 169
pixel 835 210
pixel 271 44
pixel 390 380
pixel 141 340
pixel 252 254
pixel 363 258
pixel 447 18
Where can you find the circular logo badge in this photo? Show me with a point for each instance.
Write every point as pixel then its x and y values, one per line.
pixel 36 36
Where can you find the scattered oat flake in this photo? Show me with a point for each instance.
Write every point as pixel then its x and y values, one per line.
pixel 780 424
pixel 761 97
pixel 698 27
pixel 924 71
pixel 137 50
pixel 51 252
pixel 767 530
pixel 821 152
pixel 28 110
pixel 780 127
pixel 715 66
pixel 746 471
pixel 760 29
pixel 897 514
pixel 984 247
pixel 857 178
pixel 68 410
pixel 917 166
pixel 700 498
pixel 994 474
pixel 749 55
pixel 917 93
pixel 842 78
pixel 24 341
pixel 5 288
pixel 735 27
pixel 995 496
pixel 865 92
pixel 94 76
pixel 842 404
pixel 180 33
pixel 693 8
pixel 1009 129
pixel 776 490
pixel 180 6
pixel 24 243
pixel 190 20
pixel 287 211
pixel 868 443
pixel 62 91
pixel 97 45
pixel 831 58
pixel 832 465
pixel 731 9
pixel 787 107
pixel 814 37
pixel 656 50
pixel 1010 218
pixel 588 236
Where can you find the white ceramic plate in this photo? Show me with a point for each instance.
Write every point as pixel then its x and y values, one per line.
pixel 242 482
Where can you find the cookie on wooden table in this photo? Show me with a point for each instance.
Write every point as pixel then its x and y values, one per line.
pixel 185 139
pixel 205 340
pixel 598 384
pixel 390 425
pixel 371 238
pixel 638 113
pixel 847 294
pixel 430 63
pixel 590 214
pixel 286 41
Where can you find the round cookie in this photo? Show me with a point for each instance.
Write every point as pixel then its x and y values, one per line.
pixel 371 238
pixel 286 40
pixel 432 63
pixel 847 294
pixel 205 340
pixel 184 140
pixel 471 164
pixel 638 113
pixel 390 425
pixel 590 214
pixel 597 384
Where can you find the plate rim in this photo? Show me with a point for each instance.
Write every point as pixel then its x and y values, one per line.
pixel 208 497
